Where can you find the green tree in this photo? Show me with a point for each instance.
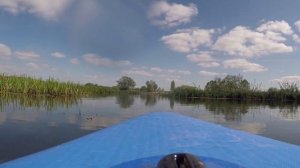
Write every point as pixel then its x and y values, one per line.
pixel 143 89
pixel 125 83
pixel 172 86
pixel 151 86
pixel 232 86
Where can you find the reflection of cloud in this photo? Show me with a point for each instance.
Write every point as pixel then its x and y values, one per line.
pixel 2 118
pixel 255 128
pixel 95 123
pixel 26 117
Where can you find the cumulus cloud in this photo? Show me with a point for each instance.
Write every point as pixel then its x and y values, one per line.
pixel 297 24
pixel 47 9
pixel 74 61
pixel 103 61
pixel 241 41
pixel 188 40
pixel 58 55
pixel 243 65
pixel 203 59
pixel 208 73
pixel 157 72
pixel 166 14
pixel 275 27
pixel 27 55
pixel 5 51
pixel 290 79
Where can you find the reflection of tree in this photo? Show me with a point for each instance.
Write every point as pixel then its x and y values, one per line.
pixel 45 102
pixel 150 99
pixel 125 100
pixel 172 102
pixel 232 110
pixel 287 109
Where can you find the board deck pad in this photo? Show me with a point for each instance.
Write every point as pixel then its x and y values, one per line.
pixel 141 142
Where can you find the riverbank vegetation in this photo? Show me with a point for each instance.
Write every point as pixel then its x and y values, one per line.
pixel 50 87
pixel 236 87
pixel 229 87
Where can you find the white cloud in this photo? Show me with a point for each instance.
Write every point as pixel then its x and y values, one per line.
pixel 276 27
pixel 36 66
pixel 27 55
pixel 209 64
pixel 188 40
pixel 268 39
pixel 166 14
pixel 244 65
pixel 5 51
pixel 290 79
pixel 74 61
pixel 138 72
pixel 58 55
pixel 156 69
pixel 203 59
pixel 157 72
pixel 200 57
pixel 47 9
pixel 207 73
pixel 297 24
pixel 102 61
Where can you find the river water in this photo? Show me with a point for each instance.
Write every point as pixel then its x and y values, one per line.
pixel 31 124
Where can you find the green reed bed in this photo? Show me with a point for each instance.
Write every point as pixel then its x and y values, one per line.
pixel 52 87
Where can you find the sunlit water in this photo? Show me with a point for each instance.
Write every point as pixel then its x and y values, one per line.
pixel 31 124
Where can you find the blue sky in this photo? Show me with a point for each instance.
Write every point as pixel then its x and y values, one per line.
pixel 190 42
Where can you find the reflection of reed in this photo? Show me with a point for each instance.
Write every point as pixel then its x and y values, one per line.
pixel 44 102
pixel 289 111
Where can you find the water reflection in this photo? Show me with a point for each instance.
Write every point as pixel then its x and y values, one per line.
pixel 289 111
pixel 149 99
pixel 37 120
pixel 233 110
pixel 40 102
pixel 125 100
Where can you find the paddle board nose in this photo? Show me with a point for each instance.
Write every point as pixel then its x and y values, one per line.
pixel 180 160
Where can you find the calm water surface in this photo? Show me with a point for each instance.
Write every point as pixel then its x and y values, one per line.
pixel 31 124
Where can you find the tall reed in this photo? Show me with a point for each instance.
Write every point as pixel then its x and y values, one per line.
pixel 51 87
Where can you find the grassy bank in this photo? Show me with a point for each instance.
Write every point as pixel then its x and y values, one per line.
pixel 51 87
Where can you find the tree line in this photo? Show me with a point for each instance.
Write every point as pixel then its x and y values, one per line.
pixel 126 83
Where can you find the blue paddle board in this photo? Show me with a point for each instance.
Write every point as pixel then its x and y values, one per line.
pixel 141 142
